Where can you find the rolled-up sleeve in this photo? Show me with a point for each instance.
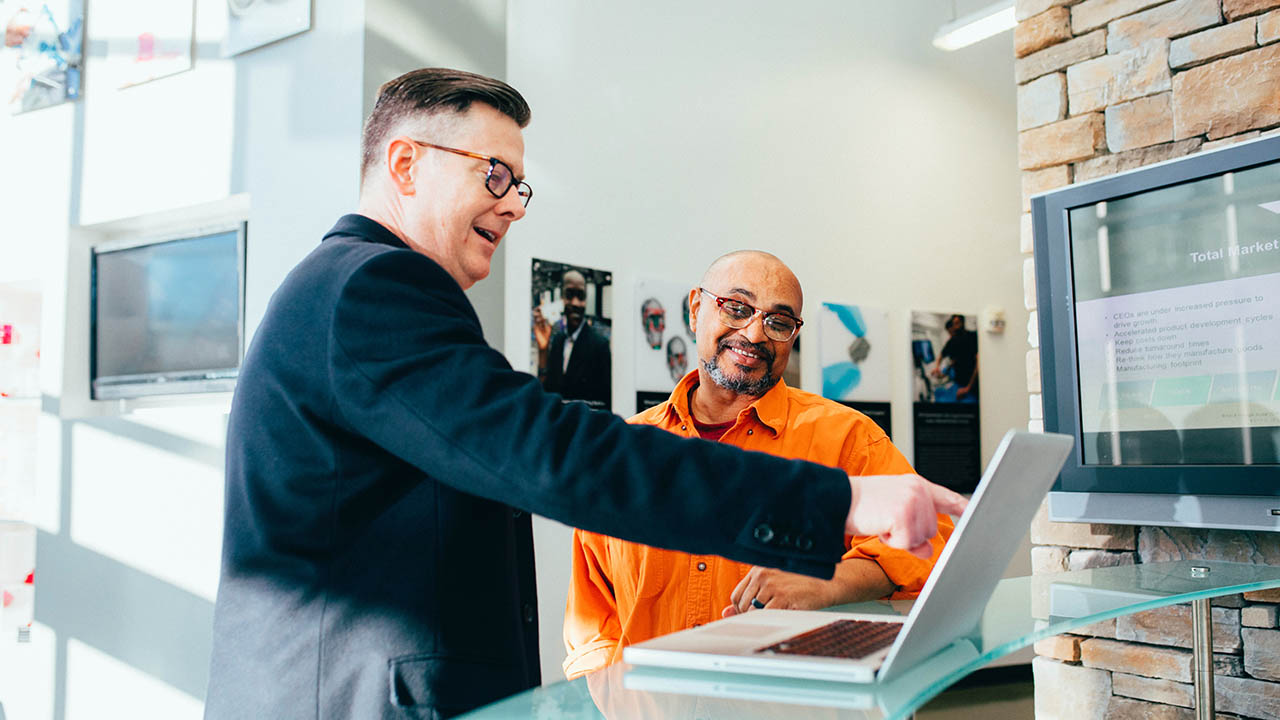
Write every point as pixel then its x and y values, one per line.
pixel 905 570
pixel 591 626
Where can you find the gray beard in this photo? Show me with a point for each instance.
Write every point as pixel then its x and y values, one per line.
pixel 752 388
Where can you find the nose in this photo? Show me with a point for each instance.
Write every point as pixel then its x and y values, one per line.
pixel 754 331
pixel 511 206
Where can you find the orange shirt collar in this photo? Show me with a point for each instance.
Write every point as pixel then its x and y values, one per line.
pixel 770 409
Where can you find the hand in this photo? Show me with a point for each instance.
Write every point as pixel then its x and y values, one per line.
pixel 778 589
pixel 541 329
pixel 901 509
pixel 962 392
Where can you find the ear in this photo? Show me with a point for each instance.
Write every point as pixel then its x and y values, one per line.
pixel 695 302
pixel 400 156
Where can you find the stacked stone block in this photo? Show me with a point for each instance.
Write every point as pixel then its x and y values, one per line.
pixel 1106 86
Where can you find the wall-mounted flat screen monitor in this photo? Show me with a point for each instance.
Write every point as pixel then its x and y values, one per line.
pixel 167 315
pixel 1159 311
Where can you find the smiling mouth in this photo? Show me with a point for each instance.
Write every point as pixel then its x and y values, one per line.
pixel 747 357
pixel 486 234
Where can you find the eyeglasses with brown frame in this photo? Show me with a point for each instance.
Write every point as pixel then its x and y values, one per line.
pixel 498 180
pixel 778 326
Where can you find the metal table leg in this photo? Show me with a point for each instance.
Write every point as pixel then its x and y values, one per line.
pixel 1202 658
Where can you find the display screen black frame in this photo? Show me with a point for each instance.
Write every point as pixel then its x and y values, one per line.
pixel 1056 316
pixel 176 382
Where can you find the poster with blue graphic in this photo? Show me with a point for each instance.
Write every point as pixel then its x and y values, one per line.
pixel 41 58
pixel 854 353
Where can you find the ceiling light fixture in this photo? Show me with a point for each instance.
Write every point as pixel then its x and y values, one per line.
pixel 979 25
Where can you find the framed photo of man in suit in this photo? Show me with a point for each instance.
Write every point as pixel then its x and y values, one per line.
pixel 571 329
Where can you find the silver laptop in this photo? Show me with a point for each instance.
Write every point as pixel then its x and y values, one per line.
pixel 863 648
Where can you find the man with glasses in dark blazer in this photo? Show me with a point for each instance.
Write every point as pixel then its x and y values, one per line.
pixel 382 459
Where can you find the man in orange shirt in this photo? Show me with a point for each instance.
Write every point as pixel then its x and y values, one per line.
pixel 744 316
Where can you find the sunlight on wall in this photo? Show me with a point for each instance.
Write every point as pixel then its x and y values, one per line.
pixel 27 674
pixel 147 507
pixel 99 687
pixel 48 505
pixel 36 149
pixel 163 144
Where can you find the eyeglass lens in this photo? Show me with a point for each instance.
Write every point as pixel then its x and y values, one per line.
pixel 501 180
pixel 776 326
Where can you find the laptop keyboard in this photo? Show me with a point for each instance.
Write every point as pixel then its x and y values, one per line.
pixel 851 639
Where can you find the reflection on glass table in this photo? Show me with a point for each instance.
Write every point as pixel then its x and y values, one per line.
pixel 1020 612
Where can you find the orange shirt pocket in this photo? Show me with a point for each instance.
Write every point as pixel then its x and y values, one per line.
pixel 638 571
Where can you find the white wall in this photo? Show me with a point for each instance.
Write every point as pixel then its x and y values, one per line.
pixel 828 132
pixel 130 506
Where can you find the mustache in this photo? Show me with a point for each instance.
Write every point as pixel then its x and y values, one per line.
pixel 753 348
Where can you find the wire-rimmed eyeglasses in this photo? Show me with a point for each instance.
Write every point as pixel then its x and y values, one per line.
pixel 778 326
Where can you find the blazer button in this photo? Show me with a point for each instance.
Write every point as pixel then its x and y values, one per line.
pixel 702 566
pixel 804 543
pixel 517 513
pixel 528 613
pixel 764 533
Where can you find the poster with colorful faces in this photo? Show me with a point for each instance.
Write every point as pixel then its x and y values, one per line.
pixel 664 345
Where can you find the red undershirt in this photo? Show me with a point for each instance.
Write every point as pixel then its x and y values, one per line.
pixel 705 431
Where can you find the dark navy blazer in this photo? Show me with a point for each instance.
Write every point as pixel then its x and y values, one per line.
pixel 381 462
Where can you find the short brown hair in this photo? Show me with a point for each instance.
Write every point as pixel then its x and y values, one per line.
pixel 429 91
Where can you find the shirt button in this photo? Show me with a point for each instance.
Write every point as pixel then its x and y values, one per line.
pixel 751 432
pixel 702 566
pixel 683 427
pixel 764 533
pixel 528 613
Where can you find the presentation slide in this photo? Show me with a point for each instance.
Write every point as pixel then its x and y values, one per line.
pixel 1195 357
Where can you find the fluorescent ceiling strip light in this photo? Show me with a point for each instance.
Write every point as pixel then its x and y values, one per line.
pixel 980 25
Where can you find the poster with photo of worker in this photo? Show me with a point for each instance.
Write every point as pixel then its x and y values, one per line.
pixel 854 355
pixel 571 329
pixel 944 389
pixel 664 343
pixel 42 56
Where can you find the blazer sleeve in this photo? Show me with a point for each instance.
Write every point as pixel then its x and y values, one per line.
pixel 591 626
pixel 413 375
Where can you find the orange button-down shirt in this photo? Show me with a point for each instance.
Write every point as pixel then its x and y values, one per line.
pixel 622 592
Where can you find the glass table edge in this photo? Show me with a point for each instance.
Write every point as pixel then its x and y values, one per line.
pixel 1054 626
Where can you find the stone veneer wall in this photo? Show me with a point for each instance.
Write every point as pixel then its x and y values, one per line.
pixel 1105 86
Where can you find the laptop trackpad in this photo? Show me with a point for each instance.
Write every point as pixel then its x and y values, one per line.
pixel 744 630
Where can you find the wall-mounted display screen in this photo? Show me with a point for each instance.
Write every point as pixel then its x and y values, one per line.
pixel 1177 314
pixel 1158 300
pixel 167 317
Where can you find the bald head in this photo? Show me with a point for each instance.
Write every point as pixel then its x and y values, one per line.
pixel 743 268
pixel 744 360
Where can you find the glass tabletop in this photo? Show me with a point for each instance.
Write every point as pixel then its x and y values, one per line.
pixel 1021 611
